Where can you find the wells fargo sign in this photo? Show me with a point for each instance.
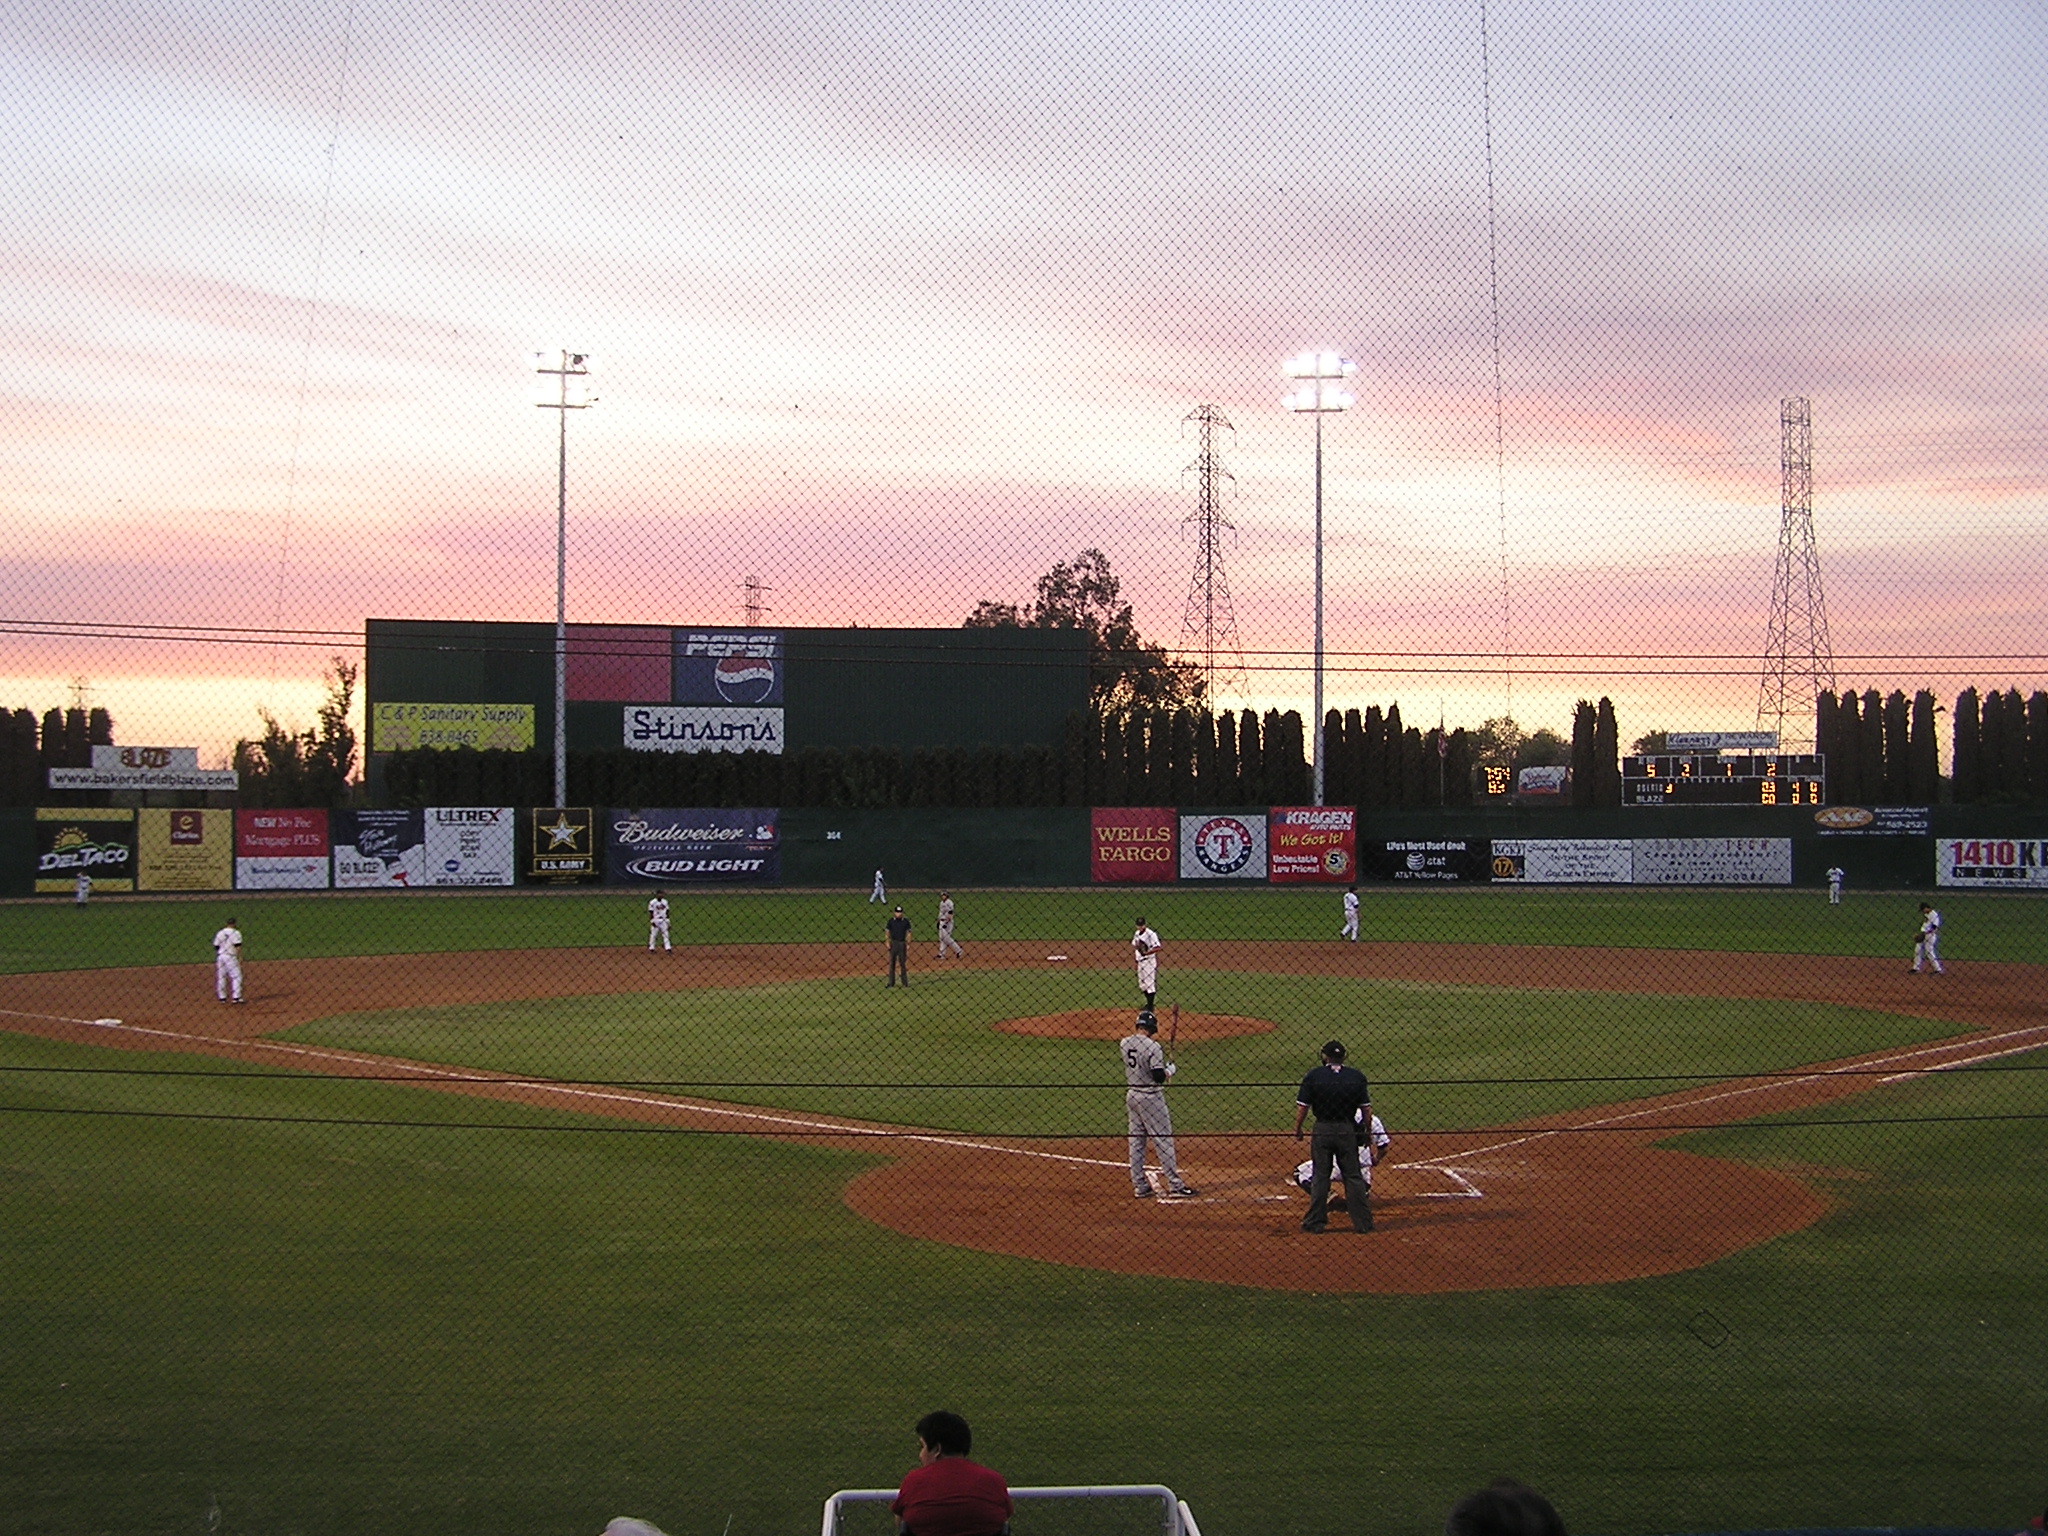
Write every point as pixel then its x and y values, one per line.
pixel 1132 845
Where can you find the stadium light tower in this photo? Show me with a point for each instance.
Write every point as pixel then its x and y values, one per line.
pixel 1321 393
pixel 571 393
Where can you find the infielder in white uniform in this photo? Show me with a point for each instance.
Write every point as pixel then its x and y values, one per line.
pixel 880 892
pixel 946 940
pixel 657 922
pixel 227 963
pixel 1835 886
pixel 1146 1070
pixel 1371 1148
pixel 1929 941
pixel 1351 914
pixel 1145 948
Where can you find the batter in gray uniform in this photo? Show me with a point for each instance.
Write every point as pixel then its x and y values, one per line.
pixel 1146 1070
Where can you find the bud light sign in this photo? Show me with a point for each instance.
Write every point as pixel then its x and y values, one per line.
pixel 692 847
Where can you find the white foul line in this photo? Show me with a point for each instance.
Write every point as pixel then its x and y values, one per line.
pixel 607 1096
pixel 2039 1032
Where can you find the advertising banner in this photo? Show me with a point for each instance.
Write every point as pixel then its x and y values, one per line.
pixel 2004 862
pixel 1429 860
pixel 99 840
pixel 1713 861
pixel 692 847
pixel 181 850
pixel 405 727
pixel 144 768
pixel 281 850
pixel 1873 821
pixel 702 728
pixel 728 666
pixel 1312 844
pixel 1565 860
pixel 376 850
pixel 1547 783
pixel 1223 845
pixel 1131 845
pixel 563 849
pixel 469 845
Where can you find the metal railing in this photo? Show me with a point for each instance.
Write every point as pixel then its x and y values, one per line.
pixel 1176 1519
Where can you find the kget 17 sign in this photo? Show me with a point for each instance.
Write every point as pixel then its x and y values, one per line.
pixel 692 847
pixel 1312 844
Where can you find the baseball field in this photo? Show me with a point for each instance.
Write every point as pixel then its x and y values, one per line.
pixel 1701 1214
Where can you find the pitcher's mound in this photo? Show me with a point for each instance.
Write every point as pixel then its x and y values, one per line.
pixel 1115 1023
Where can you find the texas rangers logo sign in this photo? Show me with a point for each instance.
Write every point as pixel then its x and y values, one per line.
pixel 1222 847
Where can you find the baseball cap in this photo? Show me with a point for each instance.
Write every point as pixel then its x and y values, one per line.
pixel 1148 1021
pixel 1333 1049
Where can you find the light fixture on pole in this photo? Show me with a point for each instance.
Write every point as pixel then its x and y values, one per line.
pixel 571 372
pixel 1321 394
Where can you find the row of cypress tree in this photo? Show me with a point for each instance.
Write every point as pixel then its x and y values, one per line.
pixel 2001 747
pixel 65 740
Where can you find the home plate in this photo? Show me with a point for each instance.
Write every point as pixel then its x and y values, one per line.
pixel 108 1023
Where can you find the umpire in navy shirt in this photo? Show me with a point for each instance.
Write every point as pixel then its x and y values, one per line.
pixel 1334 1093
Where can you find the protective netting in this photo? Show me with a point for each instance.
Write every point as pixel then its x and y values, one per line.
pixel 452 1068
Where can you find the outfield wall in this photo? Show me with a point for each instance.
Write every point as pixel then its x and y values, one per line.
pixel 160 850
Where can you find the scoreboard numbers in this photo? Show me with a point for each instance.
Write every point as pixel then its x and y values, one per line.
pixel 1707 778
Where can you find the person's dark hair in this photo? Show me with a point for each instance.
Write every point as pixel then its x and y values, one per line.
pixel 1333 1050
pixel 1503 1507
pixel 946 1433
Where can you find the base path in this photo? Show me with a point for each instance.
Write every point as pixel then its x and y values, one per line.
pixel 1579 1198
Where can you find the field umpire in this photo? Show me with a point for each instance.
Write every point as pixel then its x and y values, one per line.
pixel 1335 1093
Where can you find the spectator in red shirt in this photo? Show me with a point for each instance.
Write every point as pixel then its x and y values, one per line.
pixel 945 1494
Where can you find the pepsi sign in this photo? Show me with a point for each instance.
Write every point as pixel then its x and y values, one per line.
pixel 740 667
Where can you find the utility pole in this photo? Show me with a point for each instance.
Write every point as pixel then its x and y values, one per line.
pixel 1799 661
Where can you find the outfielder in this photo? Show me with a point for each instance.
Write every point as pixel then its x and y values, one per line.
pixel 81 889
pixel 1351 914
pixel 946 940
pixel 227 963
pixel 657 921
pixel 1835 878
pixel 880 892
pixel 1145 949
pixel 1928 941
pixel 1146 1070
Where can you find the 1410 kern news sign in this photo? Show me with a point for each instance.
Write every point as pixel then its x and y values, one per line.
pixel 1991 861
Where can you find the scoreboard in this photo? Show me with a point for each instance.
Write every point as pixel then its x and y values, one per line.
pixel 1708 778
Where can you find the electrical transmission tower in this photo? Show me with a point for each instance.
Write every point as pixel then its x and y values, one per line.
pixel 752 609
pixel 1798 660
pixel 1208 626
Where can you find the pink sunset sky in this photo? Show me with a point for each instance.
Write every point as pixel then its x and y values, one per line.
pixel 894 306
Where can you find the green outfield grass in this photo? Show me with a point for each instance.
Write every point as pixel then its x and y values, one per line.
pixel 51 935
pixel 330 1307
pixel 1441 1056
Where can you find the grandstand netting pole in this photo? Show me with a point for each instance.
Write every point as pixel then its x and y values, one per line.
pixel 574 365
